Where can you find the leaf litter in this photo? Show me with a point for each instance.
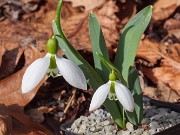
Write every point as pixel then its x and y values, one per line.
pixel 56 102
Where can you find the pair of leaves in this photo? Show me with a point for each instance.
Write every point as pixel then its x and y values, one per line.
pixel 125 56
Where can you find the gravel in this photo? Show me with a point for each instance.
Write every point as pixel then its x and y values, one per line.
pixel 100 122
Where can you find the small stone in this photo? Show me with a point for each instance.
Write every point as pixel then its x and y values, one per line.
pixel 129 126
pixel 138 131
pixel 152 131
pixel 177 120
pixel 109 128
pixel 98 121
pixel 82 129
pixel 109 133
pixel 146 132
pixel 104 123
pixel 154 123
pixel 163 110
pixel 114 131
pixel 159 129
pixel 150 113
pixel 173 114
pixel 122 132
pixel 76 123
pixel 92 123
pixel 98 127
pixel 172 121
pixel 108 115
pixel 76 130
pixel 146 121
pixel 92 129
pixel 92 115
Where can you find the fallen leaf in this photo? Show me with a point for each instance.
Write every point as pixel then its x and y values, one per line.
pixel 172 26
pixel 11 85
pixel 164 8
pixel 146 54
pixel 35 114
pixel 5 121
pixel 77 30
pixel 165 93
pixel 2 51
pixel 87 4
pixel 23 125
pixel 126 11
pixel 9 61
pixel 164 66
pixel 14 36
pixel 12 97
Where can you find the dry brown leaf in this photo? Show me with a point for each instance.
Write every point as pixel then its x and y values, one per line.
pixel 5 121
pixel 35 114
pixel 127 10
pixel 12 96
pixel 164 8
pixel 146 52
pixel 172 26
pixel 23 125
pixel 87 4
pixel 77 29
pixel 9 61
pixel 2 51
pixel 11 86
pixel 11 90
pixel 14 36
pixel 166 71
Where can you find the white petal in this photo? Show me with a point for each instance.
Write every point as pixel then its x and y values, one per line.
pixel 99 96
pixel 71 73
pixel 124 96
pixel 34 73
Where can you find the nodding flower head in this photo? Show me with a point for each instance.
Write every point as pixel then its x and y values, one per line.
pixel 114 90
pixel 54 65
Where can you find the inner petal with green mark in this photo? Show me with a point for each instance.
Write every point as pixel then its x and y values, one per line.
pixel 112 94
pixel 53 69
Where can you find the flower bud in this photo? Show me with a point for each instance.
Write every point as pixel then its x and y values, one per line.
pixel 112 76
pixel 52 45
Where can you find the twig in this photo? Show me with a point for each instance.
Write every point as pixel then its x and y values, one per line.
pixel 70 101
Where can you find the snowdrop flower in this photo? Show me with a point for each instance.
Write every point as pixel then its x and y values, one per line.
pixel 54 66
pixel 115 90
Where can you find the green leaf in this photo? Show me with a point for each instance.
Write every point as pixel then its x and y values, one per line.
pixel 98 45
pixel 111 67
pixel 92 77
pixel 129 40
pixel 133 84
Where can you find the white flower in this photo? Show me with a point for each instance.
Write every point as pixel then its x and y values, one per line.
pixel 53 65
pixel 114 90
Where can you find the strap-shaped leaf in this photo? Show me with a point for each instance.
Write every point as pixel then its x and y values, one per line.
pixel 92 77
pixel 98 45
pixel 111 67
pixel 133 84
pixel 129 40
